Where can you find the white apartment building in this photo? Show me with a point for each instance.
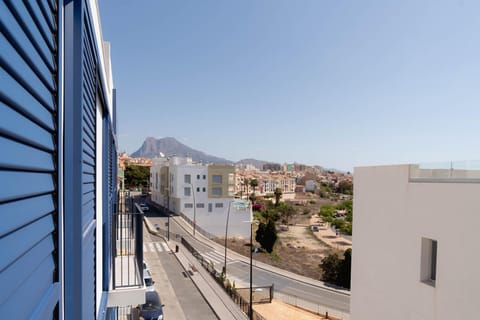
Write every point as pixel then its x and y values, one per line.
pixel 201 193
pixel 416 244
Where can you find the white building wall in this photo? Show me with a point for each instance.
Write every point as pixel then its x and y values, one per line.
pixel 391 217
pixel 156 181
pixel 213 221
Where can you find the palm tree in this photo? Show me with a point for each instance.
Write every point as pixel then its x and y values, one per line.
pixel 278 195
pixel 254 184
pixel 246 183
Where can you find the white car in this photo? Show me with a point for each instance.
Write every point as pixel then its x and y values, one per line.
pixel 147 279
pixel 144 207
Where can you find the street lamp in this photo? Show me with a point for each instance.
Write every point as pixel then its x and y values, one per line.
pixel 194 211
pixel 250 308
pixel 237 204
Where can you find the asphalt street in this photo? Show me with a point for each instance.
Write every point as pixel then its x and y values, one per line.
pixel 185 295
pixel 239 271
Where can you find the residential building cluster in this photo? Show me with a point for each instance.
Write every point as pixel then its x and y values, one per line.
pixel 202 193
pixel 125 160
pixel 268 182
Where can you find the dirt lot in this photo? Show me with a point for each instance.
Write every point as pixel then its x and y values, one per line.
pixel 278 310
pixel 297 250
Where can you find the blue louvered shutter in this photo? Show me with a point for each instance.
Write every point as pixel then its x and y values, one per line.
pixel 80 162
pixel 89 158
pixel 28 160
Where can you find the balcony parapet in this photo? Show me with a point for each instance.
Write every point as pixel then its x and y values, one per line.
pixel 446 172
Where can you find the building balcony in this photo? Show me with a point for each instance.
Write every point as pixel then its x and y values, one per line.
pixel 127 260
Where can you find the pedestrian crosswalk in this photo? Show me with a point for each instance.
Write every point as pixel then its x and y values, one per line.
pixel 215 257
pixel 211 256
pixel 155 247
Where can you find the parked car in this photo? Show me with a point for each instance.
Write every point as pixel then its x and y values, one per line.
pixel 147 279
pixel 144 207
pixel 152 309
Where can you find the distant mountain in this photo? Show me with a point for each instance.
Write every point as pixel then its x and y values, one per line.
pixel 169 146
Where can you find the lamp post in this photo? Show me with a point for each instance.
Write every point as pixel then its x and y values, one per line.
pixel 194 210
pixel 168 225
pixel 250 308
pixel 238 204
pixel 226 231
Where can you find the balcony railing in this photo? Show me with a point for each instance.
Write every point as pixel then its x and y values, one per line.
pixel 127 250
pixel 127 255
pixel 453 172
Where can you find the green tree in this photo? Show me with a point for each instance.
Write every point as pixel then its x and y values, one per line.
pixel 330 267
pixel 327 211
pixel 266 235
pixel 338 223
pixel 136 176
pixel 345 187
pixel 254 184
pixel 246 183
pixel 278 194
pixel 286 212
pixel 337 271
pixel 345 269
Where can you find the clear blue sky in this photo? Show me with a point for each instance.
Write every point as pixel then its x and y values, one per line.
pixel 328 82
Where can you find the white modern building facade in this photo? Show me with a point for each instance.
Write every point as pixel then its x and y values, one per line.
pixel 202 193
pixel 416 244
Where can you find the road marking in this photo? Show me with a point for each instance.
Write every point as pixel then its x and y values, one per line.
pixel 165 246
pixel 215 257
pixel 151 247
pixel 158 246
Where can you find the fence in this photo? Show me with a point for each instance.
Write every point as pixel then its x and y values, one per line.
pixel 127 249
pixel 234 293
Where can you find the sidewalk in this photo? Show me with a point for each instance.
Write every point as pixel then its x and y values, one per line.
pixel 214 295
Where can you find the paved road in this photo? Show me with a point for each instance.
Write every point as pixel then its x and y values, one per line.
pixel 181 298
pixel 238 270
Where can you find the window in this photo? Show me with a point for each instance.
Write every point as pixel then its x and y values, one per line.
pixel 198 189
pixel 210 206
pixel 198 177
pixel 216 178
pixel 218 205
pixel 217 191
pixel 428 264
pixel 204 189
pixel 200 205
pixel 188 205
pixel 187 178
pixel 204 177
pixel 186 192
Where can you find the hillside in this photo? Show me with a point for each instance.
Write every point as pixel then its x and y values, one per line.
pixel 169 146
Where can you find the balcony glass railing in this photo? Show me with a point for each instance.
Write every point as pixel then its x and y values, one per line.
pixel 454 171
